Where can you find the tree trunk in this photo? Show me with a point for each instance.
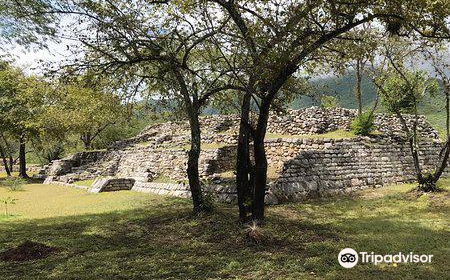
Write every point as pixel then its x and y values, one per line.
pixel 192 107
pixel 87 141
pixel 11 163
pixel 192 169
pixel 243 163
pixel 446 151
pixel 358 86
pixel 22 158
pixel 5 161
pixel 260 163
pixel 411 143
pixel 9 152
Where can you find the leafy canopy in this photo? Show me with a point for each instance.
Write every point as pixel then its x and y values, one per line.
pixel 403 92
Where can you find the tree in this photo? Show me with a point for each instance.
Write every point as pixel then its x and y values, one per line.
pixel 437 55
pixel 16 108
pixel 276 39
pixel 159 46
pixel 9 86
pixel 89 109
pixel 401 91
pixel 358 51
pixel 26 22
pixel 5 160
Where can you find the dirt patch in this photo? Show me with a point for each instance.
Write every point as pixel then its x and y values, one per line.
pixel 439 198
pixel 416 193
pixel 413 194
pixel 27 251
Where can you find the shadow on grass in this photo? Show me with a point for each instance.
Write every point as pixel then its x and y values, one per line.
pixel 165 241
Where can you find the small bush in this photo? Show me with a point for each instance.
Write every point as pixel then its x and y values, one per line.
pixel 363 124
pixel 255 234
pixel 329 102
pixel 209 202
pixel 14 184
pixel 8 201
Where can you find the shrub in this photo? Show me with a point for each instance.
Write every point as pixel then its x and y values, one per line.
pixel 329 102
pixel 255 234
pixel 8 201
pixel 363 124
pixel 209 201
pixel 14 184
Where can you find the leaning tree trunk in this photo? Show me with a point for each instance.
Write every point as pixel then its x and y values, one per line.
pixel 358 86
pixel 243 184
pixel 446 149
pixel 11 163
pixel 192 169
pixel 192 107
pixel 22 158
pixel 5 161
pixel 10 156
pixel 260 163
pixel 412 147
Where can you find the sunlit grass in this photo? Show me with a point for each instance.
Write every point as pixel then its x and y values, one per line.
pixel 141 236
pixel 44 201
pixel 15 174
pixel 85 183
pixel 163 179
pixel 337 134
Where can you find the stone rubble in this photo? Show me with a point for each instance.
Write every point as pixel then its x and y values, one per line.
pixel 304 167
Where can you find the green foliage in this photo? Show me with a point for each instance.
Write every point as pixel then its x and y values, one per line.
pixel 26 22
pixel 8 201
pixel 342 87
pixel 403 92
pixel 209 201
pixel 329 102
pixel 22 99
pixel 13 183
pixel 363 124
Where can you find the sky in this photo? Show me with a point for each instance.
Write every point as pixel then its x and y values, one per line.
pixel 31 59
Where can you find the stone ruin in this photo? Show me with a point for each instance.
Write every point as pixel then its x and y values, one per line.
pixel 302 162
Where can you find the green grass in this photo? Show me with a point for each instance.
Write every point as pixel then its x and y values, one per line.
pixel 85 183
pixel 163 179
pixel 207 146
pixel 3 174
pixel 337 134
pixel 38 201
pixel 131 235
pixel 437 120
pixel 15 174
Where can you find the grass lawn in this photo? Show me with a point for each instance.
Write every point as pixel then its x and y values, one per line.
pixel 15 174
pixel 128 235
pixel 337 134
pixel 85 183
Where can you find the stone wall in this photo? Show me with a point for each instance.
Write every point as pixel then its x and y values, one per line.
pixel 222 193
pixel 318 121
pixel 63 166
pixel 299 167
pixel 139 163
pixel 142 163
pixel 322 166
pixel 112 185
pixel 307 121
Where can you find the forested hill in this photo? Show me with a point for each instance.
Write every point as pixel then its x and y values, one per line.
pixel 343 88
